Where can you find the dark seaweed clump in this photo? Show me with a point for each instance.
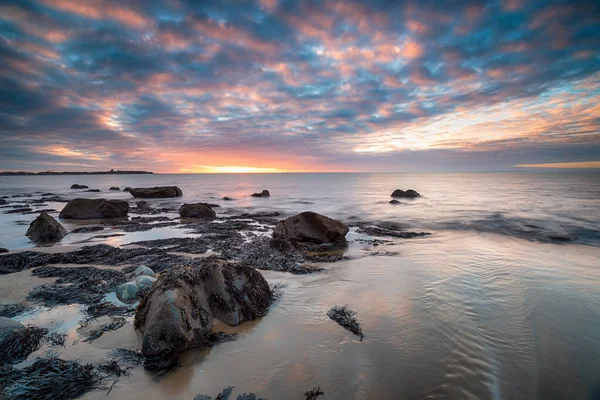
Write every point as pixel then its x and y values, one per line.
pixel 345 317
pixel 115 324
pixel 313 393
pixel 225 393
pixel 20 343
pixel 57 338
pixel 12 310
pixel 48 379
pixel 107 309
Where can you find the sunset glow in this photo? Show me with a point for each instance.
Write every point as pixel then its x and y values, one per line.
pixel 273 86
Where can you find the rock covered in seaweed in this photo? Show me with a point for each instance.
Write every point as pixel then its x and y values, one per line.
pixel 345 317
pixel 158 192
pixel 408 194
pixel 94 209
pixel 45 229
pixel 310 228
pixel 114 188
pixel 177 312
pixel 197 210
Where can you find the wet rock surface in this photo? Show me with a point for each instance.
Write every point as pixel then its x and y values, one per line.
pixel 389 229
pixel 88 229
pixel 114 188
pixel 158 192
pixel 264 193
pixel 177 313
pixel 45 229
pixel 408 194
pixel 78 186
pixel 94 209
pixel 197 210
pixel 311 228
pixel 12 310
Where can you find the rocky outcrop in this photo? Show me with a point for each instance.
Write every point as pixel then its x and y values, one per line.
pixel 310 228
pixel 114 188
pixel 264 193
pixel 127 189
pixel 196 210
pixel 158 192
pixel 78 186
pixel 94 209
pixel 45 229
pixel 177 312
pixel 408 194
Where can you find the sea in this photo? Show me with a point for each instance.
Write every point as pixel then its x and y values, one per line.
pixel 501 301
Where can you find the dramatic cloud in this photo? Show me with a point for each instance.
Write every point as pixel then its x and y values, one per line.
pixel 264 86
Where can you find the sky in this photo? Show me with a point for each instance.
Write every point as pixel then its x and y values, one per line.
pixel 188 86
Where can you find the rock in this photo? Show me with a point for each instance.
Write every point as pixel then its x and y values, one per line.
pixel 78 186
pixel 144 281
pixel 95 209
pixel 196 210
pixel 93 190
pixel 114 188
pixel 409 194
pixel 177 312
pixel 310 228
pixel 143 205
pixel 3 202
pixel 394 201
pixel 127 189
pixel 127 292
pixel 227 198
pixel 264 193
pixel 8 327
pixel 156 192
pixel 45 229
pixel 3 250
pixel 143 270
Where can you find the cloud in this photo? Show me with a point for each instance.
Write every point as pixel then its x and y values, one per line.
pixel 280 85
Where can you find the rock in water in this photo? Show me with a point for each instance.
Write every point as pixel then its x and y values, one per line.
pixel 3 250
pixel 143 270
pixel 394 201
pixel 156 192
pixel 95 209
pixel 127 292
pixel 8 327
pixel 177 312
pixel 114 188
pixel 310 228
pixel 127 189
pixel 78 186
pixel 144 281
pixel 264 193
pixel 45 229
pixel 409 194
pixel 196 210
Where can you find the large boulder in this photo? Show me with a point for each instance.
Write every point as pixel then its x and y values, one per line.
pixel 158 192
pixel 78 186
pixel 95 209
pixel 310 228
pixel 45 229
pixel 408 194
pixel 177 312
pixel 196 210
pixel 264 193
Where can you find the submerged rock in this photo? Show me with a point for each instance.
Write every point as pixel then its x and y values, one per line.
pixel 156 192
pixel 264 193
pixel 394 201
pixel 45 229
pixel 177 312
pixel 95 209
pixel 227 198
pixel 408 194
pixel 93 190
pixel 310 228
pixel 114 188
pixel 143 270
pixel 127 292
pixel 78 186
pixel 196 210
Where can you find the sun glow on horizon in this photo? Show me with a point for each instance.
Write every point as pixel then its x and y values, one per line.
pixel 570 165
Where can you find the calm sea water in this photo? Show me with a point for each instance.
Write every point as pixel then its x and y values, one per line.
pixel 492 305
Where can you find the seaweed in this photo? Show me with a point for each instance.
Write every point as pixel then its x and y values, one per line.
pixel 115 324
pixel 345 317
pixel 225 393
pixel 112 368
pixel 129 357
pixel 107 309
pixel 314 393
pixel 20 343
pixel 12 310
pixel 56 338
pixel 48 379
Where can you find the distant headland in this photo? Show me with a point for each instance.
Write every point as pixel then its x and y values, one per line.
pixel 111 172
